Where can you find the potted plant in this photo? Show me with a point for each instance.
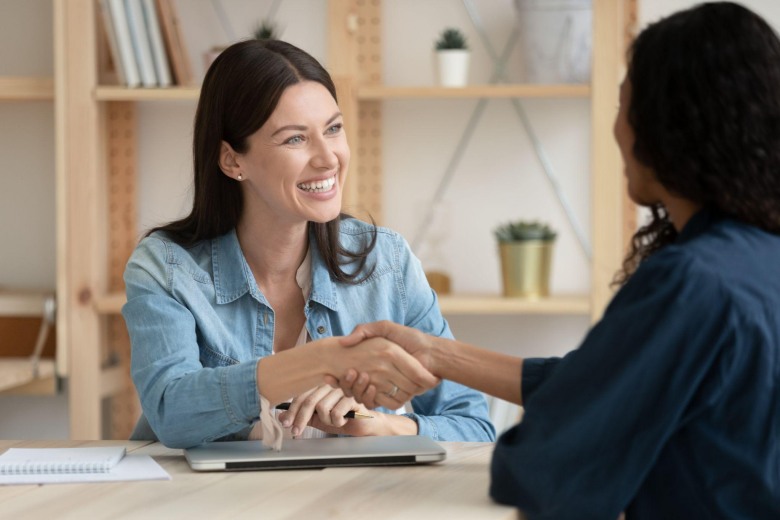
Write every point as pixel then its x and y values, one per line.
pixel 452 54
pixel 525 249
pixel 266 30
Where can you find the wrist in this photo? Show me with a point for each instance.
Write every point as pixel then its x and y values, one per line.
pixel 440 357
pixel 399 425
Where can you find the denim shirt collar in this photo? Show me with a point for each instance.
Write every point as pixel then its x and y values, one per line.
pixel 233 278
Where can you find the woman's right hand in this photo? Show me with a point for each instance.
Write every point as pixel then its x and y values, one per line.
pixel 396 376
pixel 360 383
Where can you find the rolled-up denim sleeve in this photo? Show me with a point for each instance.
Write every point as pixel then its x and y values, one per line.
pixel 451 411
pixel 184 402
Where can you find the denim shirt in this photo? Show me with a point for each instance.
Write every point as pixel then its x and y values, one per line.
pixel 198 325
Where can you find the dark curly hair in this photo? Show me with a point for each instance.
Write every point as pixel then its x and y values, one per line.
pixel 705 111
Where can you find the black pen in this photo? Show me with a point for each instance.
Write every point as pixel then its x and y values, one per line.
pixel 352 414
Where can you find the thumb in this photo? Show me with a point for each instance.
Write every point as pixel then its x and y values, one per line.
pixel 362 332
pixel 355 337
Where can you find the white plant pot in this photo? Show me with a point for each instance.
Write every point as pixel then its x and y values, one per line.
pixel 556 38
pixel 453 66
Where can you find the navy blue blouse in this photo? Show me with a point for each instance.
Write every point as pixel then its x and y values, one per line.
pixel 670 408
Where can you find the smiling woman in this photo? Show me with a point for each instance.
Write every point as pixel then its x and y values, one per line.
pixel 266 263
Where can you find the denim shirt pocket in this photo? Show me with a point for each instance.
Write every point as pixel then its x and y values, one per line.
pixel 212 358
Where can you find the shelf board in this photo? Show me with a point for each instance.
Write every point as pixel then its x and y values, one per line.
pixel 26 88
pixel 493 304
pixel 116 93
pixel 370 92
pixel 457 304
pixel 18 303
pixel 110 303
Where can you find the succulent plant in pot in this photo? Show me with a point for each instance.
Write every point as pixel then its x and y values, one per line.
pixel 525 249
pixel 266 30
pixel 452 54
pixel 524 230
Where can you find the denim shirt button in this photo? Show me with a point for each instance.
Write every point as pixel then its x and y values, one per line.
pixel 321 329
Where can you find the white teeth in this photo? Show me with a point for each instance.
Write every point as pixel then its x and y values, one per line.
pixel 318 186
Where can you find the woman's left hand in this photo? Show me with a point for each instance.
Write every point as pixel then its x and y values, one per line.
pixel 324 408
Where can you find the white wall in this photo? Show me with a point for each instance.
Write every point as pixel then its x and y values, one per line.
pixel 27 245
pixel 27 216
pixel 499 177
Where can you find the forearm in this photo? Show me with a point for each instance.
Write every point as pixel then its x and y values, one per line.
pixel 286 374
pixel 493 373
pixel 202 405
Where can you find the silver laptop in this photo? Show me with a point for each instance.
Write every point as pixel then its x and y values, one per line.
pixel 315 453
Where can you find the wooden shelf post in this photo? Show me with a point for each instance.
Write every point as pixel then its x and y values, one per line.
pixel 80 190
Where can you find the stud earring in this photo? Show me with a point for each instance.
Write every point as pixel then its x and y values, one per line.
pixel 240 177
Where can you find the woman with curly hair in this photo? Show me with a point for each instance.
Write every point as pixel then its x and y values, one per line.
pixel 670 408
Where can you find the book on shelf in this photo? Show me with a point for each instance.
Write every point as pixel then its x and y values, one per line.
pixel 161 65
pixel 174 42
pixel 113 46
pixel 115 20
pixel 141 43
pixel 46 461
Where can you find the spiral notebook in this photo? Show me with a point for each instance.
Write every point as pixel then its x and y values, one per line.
pixel 44 461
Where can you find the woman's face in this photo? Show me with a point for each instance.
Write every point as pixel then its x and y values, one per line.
pixel 643 188
pixel 296 164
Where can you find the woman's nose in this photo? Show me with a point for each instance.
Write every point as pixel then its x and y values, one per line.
pixel 323 156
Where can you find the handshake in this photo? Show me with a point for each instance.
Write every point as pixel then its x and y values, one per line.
pixel 385 364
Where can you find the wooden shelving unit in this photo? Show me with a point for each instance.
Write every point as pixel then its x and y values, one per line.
pixel 26 88
pixel 379 92
pixel 27 374
pixel 111 304
pixel 114 93
pixel 492 304
pixel 367 92
pixel 96 195
pixel 356 64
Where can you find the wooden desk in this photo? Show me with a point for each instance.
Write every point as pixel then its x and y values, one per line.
pixel 454 489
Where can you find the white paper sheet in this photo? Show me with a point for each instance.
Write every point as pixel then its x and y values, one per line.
pixel 131 467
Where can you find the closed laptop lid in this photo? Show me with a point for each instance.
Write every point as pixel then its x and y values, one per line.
pixel 315 453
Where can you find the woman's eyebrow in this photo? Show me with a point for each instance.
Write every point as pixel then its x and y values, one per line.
pixel 301 128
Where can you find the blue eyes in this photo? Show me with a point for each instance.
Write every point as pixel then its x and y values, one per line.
pixel 296 139
pixel 300 139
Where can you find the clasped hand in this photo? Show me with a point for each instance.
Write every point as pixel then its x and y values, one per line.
pixel 324 408
pixel 385 364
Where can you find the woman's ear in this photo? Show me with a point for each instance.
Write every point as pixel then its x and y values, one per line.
pixel 228 162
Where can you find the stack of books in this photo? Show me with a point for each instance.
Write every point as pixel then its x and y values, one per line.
pixel 146 43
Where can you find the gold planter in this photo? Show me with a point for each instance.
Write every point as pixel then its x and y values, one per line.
pixel 525 268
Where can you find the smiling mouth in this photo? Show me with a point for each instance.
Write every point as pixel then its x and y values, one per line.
pixel 318 186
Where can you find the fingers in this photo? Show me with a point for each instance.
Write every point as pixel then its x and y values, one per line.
pixel 333 407
pixel 366 393
pixel 413 377
pixel 302 408
pixel 359 390
pixel 346 382
pixel 332 381
pixel 387 366
pixel 321 406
